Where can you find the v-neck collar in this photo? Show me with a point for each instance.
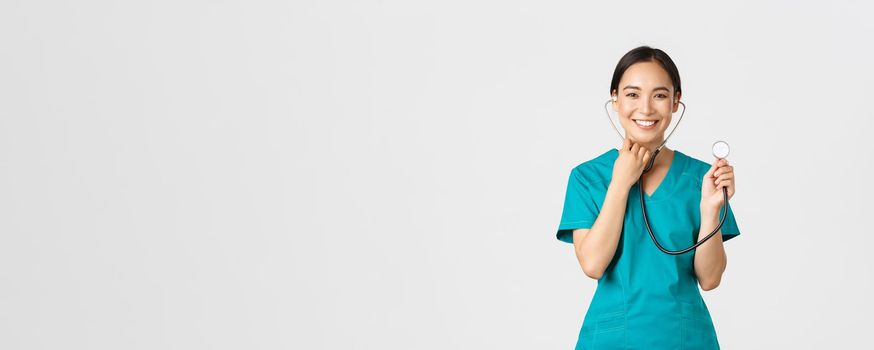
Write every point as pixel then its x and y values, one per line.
pixel 667 183
pixel 666 187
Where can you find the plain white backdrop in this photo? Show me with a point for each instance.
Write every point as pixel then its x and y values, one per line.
pixel 390 174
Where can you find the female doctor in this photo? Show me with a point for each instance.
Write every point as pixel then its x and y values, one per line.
pixel 647 299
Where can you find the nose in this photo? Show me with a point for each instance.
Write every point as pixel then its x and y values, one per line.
pixel 646 107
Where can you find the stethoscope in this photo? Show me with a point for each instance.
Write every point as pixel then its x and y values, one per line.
pixel 720 151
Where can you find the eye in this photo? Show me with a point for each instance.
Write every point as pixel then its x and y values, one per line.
pixel 662 96
pixel 631 94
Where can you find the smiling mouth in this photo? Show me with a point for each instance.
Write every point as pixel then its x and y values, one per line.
pixel 645 124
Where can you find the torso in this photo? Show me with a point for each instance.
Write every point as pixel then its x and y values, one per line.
pixel 647 299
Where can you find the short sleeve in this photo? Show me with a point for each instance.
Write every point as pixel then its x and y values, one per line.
pixel 580 209
pixel 729 227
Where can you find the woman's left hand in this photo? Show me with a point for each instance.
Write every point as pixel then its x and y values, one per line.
pixel 720 175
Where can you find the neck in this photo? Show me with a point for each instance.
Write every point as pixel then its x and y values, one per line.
pixel 652 145
pixel 664 157
pixel 665 154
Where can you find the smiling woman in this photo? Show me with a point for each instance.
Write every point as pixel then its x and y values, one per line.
pixel 646 299
pixel 650 94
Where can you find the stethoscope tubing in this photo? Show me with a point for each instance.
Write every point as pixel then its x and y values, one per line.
pixel 640 188
pixel 652 235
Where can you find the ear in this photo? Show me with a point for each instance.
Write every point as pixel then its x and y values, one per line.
pixel 676 105
pixel 615 102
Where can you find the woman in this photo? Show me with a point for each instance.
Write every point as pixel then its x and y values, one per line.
pixel 647 299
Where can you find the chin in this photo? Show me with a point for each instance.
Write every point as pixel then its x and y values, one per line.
pixel 648 137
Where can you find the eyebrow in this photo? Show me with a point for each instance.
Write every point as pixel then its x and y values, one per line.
pixel 637 88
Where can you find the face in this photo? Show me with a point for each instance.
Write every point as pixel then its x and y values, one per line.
pixel 645 95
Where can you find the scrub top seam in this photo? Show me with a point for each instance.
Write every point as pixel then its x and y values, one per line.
pixel 624 306
pixel 589 184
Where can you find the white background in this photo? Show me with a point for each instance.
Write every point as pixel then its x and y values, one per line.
pixel 390 175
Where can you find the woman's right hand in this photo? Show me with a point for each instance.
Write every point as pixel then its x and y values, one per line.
pixel 630 164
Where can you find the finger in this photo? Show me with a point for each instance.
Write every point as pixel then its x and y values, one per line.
pixel 709 174
pixel 646 156
pixel 642 151
pixel 634 148
pixel 729 187
pixel 724 177
pixel 723 170
pixel 626 144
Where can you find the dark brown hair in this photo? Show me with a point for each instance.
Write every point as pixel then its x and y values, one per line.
pixel 645 54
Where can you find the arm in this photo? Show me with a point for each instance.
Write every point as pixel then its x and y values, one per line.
pixel 595 247
pixel 710 259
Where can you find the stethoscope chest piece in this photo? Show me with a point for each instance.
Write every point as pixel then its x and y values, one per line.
pixel 720 149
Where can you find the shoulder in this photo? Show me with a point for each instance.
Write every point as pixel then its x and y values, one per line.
pixel 694 167
pixel 596 170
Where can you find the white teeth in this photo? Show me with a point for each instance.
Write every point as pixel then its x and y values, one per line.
pixel 645 123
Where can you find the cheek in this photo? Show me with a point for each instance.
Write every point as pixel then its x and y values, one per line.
pixel 666 123
pixel 666 108
pixel 625 111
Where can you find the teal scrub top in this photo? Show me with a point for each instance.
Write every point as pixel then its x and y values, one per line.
pixel 645 299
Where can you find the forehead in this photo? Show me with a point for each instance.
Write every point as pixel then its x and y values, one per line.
pixel 646 75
